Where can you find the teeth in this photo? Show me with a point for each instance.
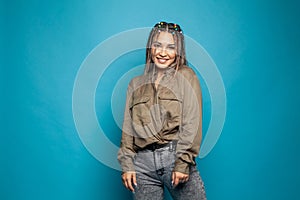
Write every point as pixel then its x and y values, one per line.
pixel 161 60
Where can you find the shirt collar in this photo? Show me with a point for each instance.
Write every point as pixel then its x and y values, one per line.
pixel 168 73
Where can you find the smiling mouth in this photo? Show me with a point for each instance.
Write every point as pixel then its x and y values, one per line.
pixel 162 60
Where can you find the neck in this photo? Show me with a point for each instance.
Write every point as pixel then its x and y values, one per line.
pixel 160 72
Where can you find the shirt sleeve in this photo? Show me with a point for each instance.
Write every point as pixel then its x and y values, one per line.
pixel 190 136
pixel 126 151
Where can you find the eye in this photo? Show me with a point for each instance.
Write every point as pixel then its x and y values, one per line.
pixel 156 45
pixel 172 47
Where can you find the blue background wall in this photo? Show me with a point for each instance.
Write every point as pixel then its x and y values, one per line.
pixel 255 45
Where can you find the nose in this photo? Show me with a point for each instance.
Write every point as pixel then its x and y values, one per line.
pixel 162 52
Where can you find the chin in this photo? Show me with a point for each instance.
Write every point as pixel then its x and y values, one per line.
pixel 163 65
pixel 160 66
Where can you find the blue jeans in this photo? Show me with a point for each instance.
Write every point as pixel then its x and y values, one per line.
pixel 154 171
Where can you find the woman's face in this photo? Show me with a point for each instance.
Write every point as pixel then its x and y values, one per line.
pixel 163 50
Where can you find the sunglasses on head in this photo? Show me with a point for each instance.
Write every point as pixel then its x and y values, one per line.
pixel 169 26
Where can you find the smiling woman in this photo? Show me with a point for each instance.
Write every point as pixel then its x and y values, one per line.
pixel 162 128
pixel 163 50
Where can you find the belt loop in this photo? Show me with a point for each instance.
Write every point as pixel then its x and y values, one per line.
pixel 172 146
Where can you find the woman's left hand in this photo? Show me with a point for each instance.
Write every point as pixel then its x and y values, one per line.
pixel 178 177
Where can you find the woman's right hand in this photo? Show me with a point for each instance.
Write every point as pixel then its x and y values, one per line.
pixel 129 180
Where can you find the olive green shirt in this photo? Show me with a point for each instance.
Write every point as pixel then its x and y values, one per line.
pixel 172 111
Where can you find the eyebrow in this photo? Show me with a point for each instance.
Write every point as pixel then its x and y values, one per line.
pixel 161 43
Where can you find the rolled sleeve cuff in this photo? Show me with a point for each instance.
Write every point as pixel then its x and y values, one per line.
pixel 128 167
pixel 181 166
pixel 126 163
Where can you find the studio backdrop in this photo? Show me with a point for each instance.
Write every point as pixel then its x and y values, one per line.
pixel 65 67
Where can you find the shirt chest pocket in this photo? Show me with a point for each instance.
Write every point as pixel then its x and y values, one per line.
pixel 172 107
pixel 139 110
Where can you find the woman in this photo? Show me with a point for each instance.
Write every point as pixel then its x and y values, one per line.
pixel 162 126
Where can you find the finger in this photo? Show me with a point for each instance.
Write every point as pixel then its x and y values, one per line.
pixel 173 178
pixel 186 179
pixel 176 181
pixel 183 179
pixel 125 183
pixel 129 183
pixel 124 180
pixel 134 179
